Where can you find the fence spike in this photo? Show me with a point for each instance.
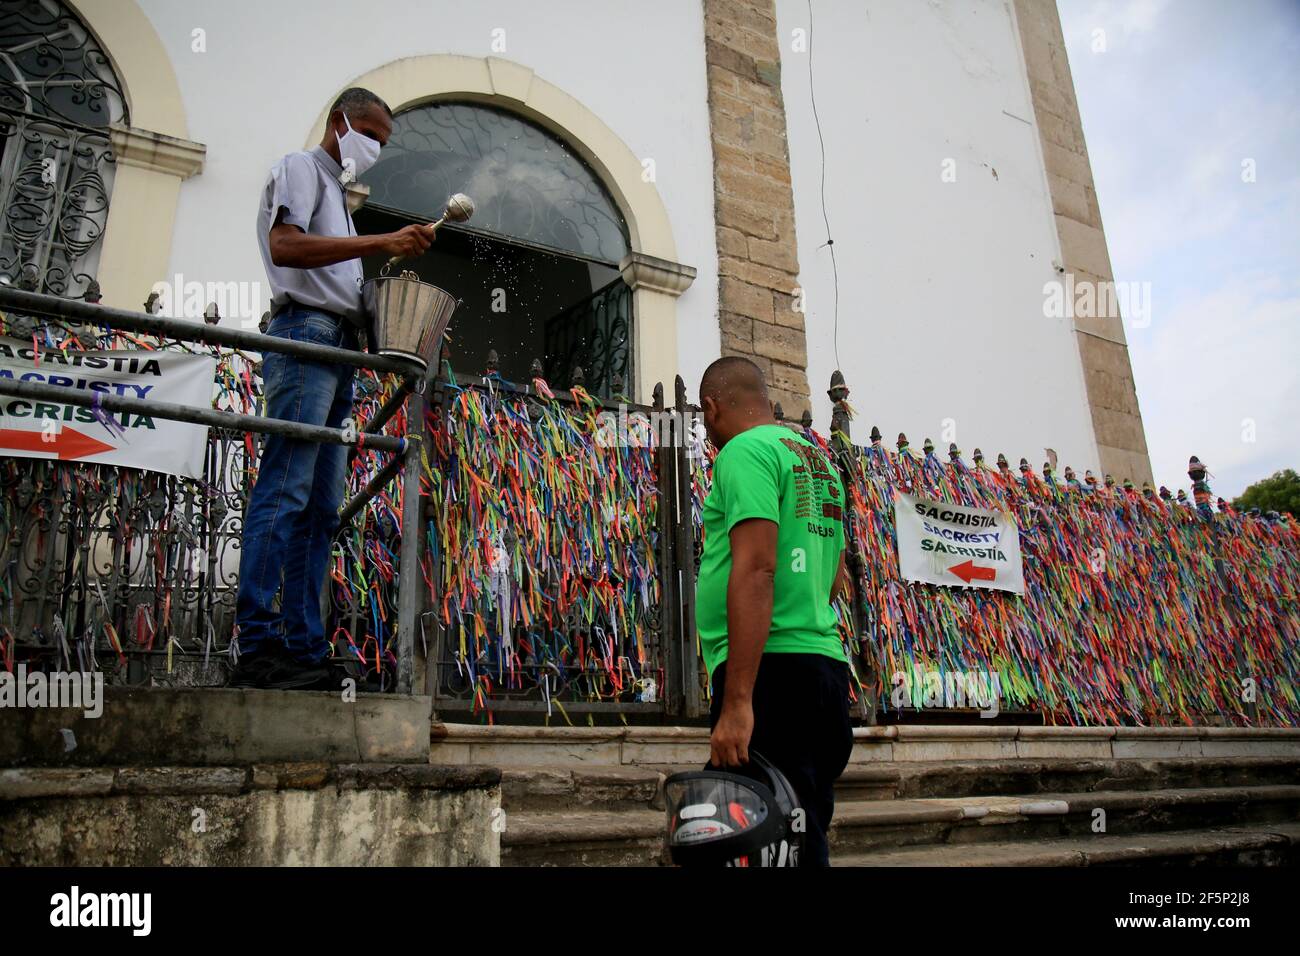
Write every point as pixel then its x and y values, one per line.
pixel 493 361
pixel 875 435
pixel 839 394
pixel 927 446
pixel 657 396
pixel 578 378
pixel 778 412
pixel 806 418
pixel 1197 471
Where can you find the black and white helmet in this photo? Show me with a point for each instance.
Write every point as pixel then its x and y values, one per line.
pixel 719 818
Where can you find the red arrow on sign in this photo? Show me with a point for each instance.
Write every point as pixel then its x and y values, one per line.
pixel 67 444
pixel 969 571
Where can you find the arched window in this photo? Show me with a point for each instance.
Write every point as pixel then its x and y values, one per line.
pixel 537 266
pixel 58 96
pixel 526 184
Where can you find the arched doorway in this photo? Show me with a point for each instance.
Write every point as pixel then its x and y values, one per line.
pixel 538 266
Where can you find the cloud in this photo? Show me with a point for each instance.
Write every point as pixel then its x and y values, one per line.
pixel 1182 95
pixel 1227 390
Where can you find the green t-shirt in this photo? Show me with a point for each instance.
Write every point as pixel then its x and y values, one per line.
pixel 772 472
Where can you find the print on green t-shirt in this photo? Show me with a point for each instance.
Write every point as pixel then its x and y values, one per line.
pixel 772 472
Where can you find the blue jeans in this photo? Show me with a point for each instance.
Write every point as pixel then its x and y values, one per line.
pixel 292 513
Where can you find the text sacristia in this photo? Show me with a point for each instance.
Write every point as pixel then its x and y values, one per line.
pixel 35 428
pixel 957 546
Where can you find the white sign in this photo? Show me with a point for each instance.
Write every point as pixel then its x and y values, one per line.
pixel 33 428
pixel 957 546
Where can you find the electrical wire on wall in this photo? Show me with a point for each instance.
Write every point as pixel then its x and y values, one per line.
pixel 829 243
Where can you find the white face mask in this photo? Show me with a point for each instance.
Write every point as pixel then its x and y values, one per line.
pixel 357 152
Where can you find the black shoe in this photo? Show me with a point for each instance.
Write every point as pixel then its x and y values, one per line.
pixel 337 672
pixel 289 674
pixel 251 669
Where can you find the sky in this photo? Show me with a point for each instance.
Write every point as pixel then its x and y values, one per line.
pixel 1191 112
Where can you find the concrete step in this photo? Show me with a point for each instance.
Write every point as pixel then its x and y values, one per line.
pixel 632 787
pixel 942 778
pixel 874 825
pixel 505 746
pixel 538 789
pixel 595 838
pixel 635 837
pixel 1273 844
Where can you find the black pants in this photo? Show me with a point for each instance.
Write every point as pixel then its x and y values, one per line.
pixel 802 726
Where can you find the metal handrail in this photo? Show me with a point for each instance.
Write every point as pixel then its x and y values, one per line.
pixel 407 459
pixel 196 416
pixel 186 330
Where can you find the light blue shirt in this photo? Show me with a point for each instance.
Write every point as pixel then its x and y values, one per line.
pixel 306 186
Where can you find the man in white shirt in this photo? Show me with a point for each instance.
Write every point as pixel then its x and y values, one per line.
pixel 312 255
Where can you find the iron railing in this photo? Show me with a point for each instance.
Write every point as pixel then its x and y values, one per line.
pixel 144 565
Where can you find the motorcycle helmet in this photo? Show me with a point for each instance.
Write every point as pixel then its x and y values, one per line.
pixel 720 818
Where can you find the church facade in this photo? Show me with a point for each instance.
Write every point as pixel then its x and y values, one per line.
pixel 896 189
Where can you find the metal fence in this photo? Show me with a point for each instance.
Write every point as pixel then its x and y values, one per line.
pixel 133 572
pixel 553 544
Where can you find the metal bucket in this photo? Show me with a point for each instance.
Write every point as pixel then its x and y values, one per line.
pixel 409 316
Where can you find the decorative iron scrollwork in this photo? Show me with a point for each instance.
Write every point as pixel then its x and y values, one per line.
pixel 58 96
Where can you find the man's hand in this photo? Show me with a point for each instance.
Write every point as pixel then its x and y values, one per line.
pixel 408 241
pixel 729 743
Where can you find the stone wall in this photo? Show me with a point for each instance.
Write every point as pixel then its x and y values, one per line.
pixel 1103 348
pixel 753 203
pixel 263 815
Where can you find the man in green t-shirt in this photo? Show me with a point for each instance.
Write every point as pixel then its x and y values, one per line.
pixel 773 560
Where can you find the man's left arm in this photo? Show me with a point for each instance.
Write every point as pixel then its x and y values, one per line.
pixel 750 484
pixel 750 590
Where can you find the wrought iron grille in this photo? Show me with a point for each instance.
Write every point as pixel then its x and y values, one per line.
pixel 593 335
pixel 135 573
pixel 58 96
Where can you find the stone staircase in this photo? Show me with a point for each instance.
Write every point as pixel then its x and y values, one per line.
pixel 922 796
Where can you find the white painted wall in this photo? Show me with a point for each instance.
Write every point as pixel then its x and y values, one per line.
pixel 271 67
pixel 940 284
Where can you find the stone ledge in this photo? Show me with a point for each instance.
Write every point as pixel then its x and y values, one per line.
pixel 28 783
pixel 179 727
